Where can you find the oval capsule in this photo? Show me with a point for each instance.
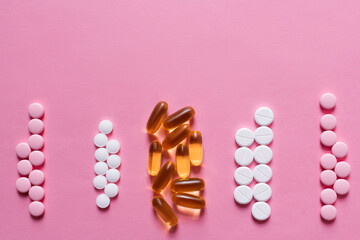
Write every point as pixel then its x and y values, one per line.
pixel 154 163
pixel 179 117
pixel 182 161
pixel 188 200
pixel 164 176
pixel 156 117
pixel 195 148
pixel 164 210
pixel 187 185
pixel 176 136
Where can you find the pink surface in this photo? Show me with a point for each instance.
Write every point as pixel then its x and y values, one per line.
pixel 88 60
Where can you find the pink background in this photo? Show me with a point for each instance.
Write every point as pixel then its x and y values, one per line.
pixel 88 60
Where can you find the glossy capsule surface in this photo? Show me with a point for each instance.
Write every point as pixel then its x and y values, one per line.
pixel 195 148
pixel 187 185
pixel 154 162
pixel 179 117
pixel 188 200
pixel 182 161
pixel 176 136
pixel 165 212
pixel 164 176
pixel 156 117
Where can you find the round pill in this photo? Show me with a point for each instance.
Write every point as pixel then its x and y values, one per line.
pixel 243 194
pixel 36 193
pixel 105 126
pixel 339 150
pixel 243 175
pixel 243 156
pixel 244 137
pixel 328 196
pixel 36 158
pixel 264 116
pixel 263 154
pixel 24 167
pixel 328 122
pixel 36 126
pixel 23 150
pixel 100 140
pixel 262 173
pixel 263 135
pixel 261 211
pixel 99 182
pixel 328 138
pixel 328 212
pixel 102 201
pixel 23 184
pixel 341 186
pixel 262 192
pixel 111 190
pixel 342 169
pixel 328 101
pixel 100 168
pixel 36 177
pixel 328 161
pixel 328 177
pixel 113 175
pixel 36 110
pixel 36 142
pixel 113 146
pixel 36 208
pixel 114 161
pixel 101 154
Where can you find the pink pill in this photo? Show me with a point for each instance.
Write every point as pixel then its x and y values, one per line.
pixel 339 150
pixel 328 212
pixel 36 142
pixel 327 161
pixel 328 138
pixel 36 208
pixel 327 101
pixel 36 126
pixel 342 169
pixel 24 167
pixel 36 158
pixel 328 196
pixel 36 193
pixel 23 184
pixel 341 186
pixel 328 122
pixel 328 177
pixel 23 150
pixel 36 177
pixel 36 110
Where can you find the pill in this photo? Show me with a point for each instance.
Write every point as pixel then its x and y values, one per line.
pixel 165 212
pixel 111 190
pixel 113 146
pixel 195 148
pixel 243 194
pixel 36 126
pixel 179 117
pixel 164 176
pixel 342 169
pixel 328 177
pixel 263 154
pixel 244 156
pixel 261 211
pixel 264 116
pixel 105 126
pixel 188 200
pixel 176 136
pixel 339 150
pixel 36 193
pixel 36 158
pixel 328 101
pixel 100 182
pixel 244 137
pixel 243 175
pixel 102 201
pixel 328 122
pixel 114 161
pixel 262 192
pixel 113 175
pixel 328 161
pixel 328 138
pixel 262 173
pixel 187 185
pixel 36 110
pixel 24 167
pixel 36 142
pixel 328 212
pixel 156 117
pixel 100 140
pixel 182 161
pixel 263 135
pixel 23 184
pixel 36 208
pixel 101 154
pixel 36 177
pixel 154 160
pixel 328 196
pixel 23 150
pixel 341 186
pixel 101 168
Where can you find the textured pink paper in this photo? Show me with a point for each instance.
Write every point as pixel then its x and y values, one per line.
pixel 88 60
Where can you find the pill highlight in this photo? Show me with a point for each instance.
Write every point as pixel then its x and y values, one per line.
pixel 182 161
pixel 165 212
pixel 176 136
pixel 188 200
pixel 154 162
pixel 164 176
pixel 179 117
pixel 187 185
pixel 156 118
pixel 195 148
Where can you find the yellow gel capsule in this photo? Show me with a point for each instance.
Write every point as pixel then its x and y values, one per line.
pixel 179 117
pixel 165 212
pixel 195 148
pixel 182 161
pixel 164 176
pixel 187 185
pixel 154 163
pixel 188 200
pixel 157 116
pixel 176 136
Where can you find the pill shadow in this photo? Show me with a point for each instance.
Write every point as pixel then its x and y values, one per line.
pixel 261 222
pixel 326 222
pixel 38 218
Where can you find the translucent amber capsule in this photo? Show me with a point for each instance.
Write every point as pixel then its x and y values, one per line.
pixel 182 161
pixel 157 116
pixel 187 185
pixel 176 136
pixel 164 176
pixel 154 163
pixel 163 209
pixel 181 116
pixel 196 148
pixel 188 200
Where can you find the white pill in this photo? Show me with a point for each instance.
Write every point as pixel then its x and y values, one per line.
pixel 263 154
pixel 243 156
pixel 102 201
pixel 243 175
pixel 243 194
pixel 113 146
pixel 114 161
pixel 101 154
pixel 264 116
pixel 111 190
pixel 99 182
pixel 261 211
pixel 263 135
pixel 100 140
pixel 100 168
pixel 244 137
pixel 105 126
pixel 113 175
pixel 262 173
pixel 262 192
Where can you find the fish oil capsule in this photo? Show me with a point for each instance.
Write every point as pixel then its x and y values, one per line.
pixel 164 176
pixel 182 161
pixel 163 209
pixel 176 136
pixel 179 117
pixel 154 163
pixel 188 200
pixel 187 185
pixel 195 148
pixel 156 117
